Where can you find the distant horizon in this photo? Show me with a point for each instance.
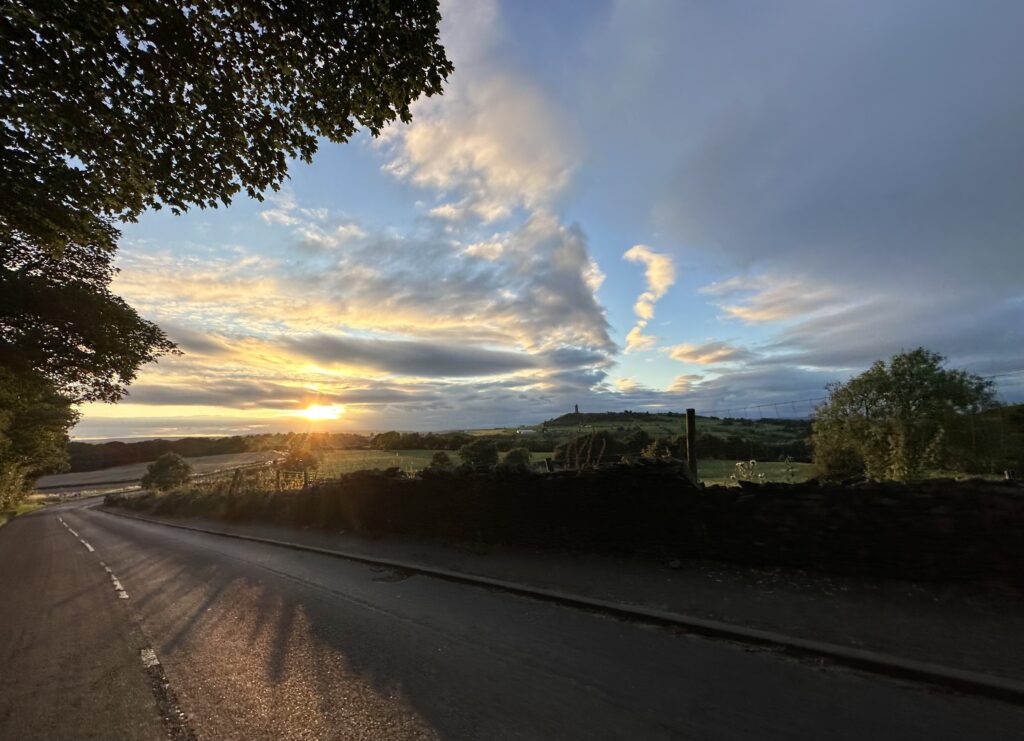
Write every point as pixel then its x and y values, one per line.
pixel 622 212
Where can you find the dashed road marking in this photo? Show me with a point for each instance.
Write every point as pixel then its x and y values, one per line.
pixel 88 547
pixel 73 532
pixel 148 657
pixel 121 592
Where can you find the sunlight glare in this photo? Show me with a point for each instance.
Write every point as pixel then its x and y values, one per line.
pixel 322 411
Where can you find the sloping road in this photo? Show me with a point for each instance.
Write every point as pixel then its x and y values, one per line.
pixel 258 642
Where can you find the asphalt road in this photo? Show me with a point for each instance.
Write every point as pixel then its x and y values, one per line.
pixel 224 639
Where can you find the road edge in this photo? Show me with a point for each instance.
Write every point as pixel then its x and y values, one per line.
pixel 959 680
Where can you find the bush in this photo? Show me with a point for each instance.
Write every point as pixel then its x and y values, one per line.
pixel 441 461
pixel 517 460
pixel 167 472
pixel 659 450
pixel 896 417
pixel 480 453
pixel 301 459
pixel 636 441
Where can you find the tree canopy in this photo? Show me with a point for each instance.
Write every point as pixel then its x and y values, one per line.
pixel 107 109
pixel 110 108
pixel 34 420
pixel 167 472
pixel 898 418
pixel 58 319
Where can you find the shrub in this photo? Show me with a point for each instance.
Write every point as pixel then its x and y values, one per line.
pixel 517 460
pixel 658 450
pixel 301 459
pixel 441 461
pixel 896 417
pixel 167 472
pixel 637 441
pixel 480 453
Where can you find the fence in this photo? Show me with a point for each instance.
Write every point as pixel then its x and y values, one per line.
pixel 256 477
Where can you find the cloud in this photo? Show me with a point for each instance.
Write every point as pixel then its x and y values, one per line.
pixel 767 298
pixel 409 358
pixel 684 383
pixel 532 288
pixel 263 395
pixel 709 353
pixel 495 142
pixel 659 274
pixel 487 148
pixel 862 155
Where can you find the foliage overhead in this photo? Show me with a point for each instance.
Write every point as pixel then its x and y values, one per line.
pixel 167 472
pixel 111 108
pixel 59 319
pixel 34 424
pixel 898 418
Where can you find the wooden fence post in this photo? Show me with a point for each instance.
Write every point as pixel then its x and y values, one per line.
pixel 305 478
pixel 691 441
pixel 277 479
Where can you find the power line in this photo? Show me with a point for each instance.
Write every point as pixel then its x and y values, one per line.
pixel 747 407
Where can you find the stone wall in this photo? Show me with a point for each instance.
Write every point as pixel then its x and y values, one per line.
pixel 934 530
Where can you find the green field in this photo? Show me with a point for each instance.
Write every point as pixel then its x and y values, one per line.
pixel 711 472
pixel 767 430
pixel 719 472
pixel 335 462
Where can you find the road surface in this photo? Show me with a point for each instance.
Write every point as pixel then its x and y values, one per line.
pixel 112 628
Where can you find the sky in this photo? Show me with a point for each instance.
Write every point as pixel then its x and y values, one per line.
pixel 622 205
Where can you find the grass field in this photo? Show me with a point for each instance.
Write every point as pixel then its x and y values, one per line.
pixel 346 461
pixel 711 472
pixel 135 471
pixel 764 430
pixel 718 472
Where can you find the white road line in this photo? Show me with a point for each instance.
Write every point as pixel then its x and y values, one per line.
pixel 121 592
pixel 148 657
pixel 73 532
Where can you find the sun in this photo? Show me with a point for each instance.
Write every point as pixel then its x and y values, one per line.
pixel 317 412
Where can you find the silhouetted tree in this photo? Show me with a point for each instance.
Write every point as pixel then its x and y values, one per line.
pixel 167 472
pixel 59 320
pixel 107 109
pixel 34 420
pixel 301 459
pixel 480 453
pixel 111 108
pixel 516 460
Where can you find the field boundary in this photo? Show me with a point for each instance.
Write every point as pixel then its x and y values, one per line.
pixel 958 680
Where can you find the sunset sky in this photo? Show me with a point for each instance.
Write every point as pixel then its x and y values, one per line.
pixel 642 205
